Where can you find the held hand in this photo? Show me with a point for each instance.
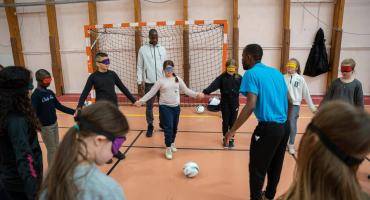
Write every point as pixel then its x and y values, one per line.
pixel 200 95
pixel 138 103
pixel 77 112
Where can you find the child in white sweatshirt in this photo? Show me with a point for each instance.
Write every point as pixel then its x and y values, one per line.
pixel 169 103
pixel 297 90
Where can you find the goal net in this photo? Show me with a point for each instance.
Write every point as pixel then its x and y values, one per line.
pixel 197 48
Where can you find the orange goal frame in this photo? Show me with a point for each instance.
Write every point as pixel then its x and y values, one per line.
pixel 88 28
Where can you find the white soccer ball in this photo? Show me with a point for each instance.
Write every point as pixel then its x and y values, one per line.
pixel 200 109
pixel 87 103
pixel 191 169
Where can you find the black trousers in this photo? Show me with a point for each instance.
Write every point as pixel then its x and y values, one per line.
pixel 149 105
pixel 267 153
pixel 229 111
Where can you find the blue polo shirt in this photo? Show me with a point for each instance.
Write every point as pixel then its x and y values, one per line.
pixel 272 93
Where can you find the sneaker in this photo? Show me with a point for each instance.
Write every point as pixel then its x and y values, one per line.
pixel 231 143
pixel 173 148
pixel 109 161
pixel 291 149
pixel 149 132
pixel 161 127
pixel 264 196
pixel 224 143
pixel 120 156
pixel 168 153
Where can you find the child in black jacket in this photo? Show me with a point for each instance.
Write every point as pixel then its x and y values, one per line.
pixel 45 104
pixel 229 84
pixel 104 81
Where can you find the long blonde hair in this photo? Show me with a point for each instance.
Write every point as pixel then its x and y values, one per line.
pixel 59 183
pixel 320 174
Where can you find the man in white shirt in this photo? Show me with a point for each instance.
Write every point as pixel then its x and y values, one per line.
pixel 149 69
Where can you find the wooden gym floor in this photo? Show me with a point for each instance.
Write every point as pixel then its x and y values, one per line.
pixel 146 174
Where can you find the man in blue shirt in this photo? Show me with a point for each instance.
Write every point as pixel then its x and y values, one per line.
pixel 267 97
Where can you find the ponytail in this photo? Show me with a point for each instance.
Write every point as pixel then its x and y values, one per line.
pixel 59 183
pixel 176 79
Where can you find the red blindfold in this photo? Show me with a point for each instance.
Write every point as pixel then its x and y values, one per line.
pixel 345 68
pixel 47 80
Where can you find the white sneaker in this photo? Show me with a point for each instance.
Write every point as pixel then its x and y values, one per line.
pixel 173 148
pixel 168 153
pixel 291 149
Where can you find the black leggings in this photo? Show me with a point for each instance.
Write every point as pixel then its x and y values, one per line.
pixel 229 111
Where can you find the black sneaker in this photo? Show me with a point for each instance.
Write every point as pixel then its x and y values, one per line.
pixel 263 196
pixel 161 127
pixel 231 143
pixel 149 132
pixel 120 156
pixel 224 143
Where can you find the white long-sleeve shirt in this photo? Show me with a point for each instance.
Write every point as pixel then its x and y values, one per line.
pixel 298 89
pixel 169 90
pixel 150 63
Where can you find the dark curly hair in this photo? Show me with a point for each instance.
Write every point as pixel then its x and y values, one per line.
pixel 14 98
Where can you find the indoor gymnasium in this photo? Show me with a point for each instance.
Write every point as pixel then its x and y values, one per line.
pixel 185 99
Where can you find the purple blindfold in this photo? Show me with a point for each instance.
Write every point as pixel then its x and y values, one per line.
pixel 169 68
pixel 116 141
pixel 105 61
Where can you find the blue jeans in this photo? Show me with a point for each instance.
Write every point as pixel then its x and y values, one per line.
pixel 169 119
pixel 293 118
